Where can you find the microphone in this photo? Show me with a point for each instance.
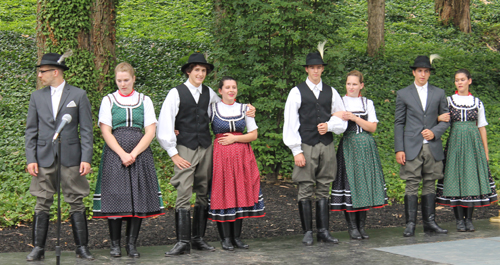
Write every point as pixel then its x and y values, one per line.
pixel 65 120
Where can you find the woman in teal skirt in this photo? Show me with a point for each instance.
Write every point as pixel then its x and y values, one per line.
pixel 359 184
pixel 467 181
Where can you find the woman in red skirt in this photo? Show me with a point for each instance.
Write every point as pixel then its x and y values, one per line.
pixel 235 192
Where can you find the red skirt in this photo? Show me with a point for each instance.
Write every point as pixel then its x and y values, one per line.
pixel 236 178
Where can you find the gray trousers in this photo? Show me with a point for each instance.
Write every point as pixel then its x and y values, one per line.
pixel 423 168
pixel 74 187
pixel 195 179
pixel 320 171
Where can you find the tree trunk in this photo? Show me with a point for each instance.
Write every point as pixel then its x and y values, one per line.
pixel 40 40
pixel 455 11
pixel 103 38
pixel 376 16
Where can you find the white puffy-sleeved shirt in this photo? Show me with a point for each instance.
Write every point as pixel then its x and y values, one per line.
pixel 355 104
pixel 105 116
pixel 233 110
pixel 291 136
pixel 166 121
pixel 469 101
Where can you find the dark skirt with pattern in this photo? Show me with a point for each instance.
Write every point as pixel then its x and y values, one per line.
pixel 359 184
pixel 467 178
pixel 235 192
pixel 131 191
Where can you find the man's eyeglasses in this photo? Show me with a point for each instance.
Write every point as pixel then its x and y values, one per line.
pixel 43 71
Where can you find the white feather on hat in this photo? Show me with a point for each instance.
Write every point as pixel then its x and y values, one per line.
pixel 434 56
pixel 67 54
pixel 321 48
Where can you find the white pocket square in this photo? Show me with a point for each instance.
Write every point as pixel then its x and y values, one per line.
pixel 72 104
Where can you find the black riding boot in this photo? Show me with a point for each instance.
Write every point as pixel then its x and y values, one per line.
pixel 133 228
pixel 40 229
pixel 323 222
pixel 411 205
pixel 236 227
pixel 81 235
pixel 468 219
pixel 183 231
pixel 361 221
pixel 459 217
pixel 428 215
pixel 352 226
pixel 200 215
pixel 225 235
pixel 115 233
pixel 305 213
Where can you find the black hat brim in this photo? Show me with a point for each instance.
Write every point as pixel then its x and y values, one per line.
pixel 47 62
pixel 185 66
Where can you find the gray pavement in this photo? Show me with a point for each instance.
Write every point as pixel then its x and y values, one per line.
pixel 385 246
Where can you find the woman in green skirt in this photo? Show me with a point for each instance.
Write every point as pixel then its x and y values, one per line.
pixel 359 184
pixel 467 181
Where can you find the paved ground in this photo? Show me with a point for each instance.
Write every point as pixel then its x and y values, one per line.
pixel 386 246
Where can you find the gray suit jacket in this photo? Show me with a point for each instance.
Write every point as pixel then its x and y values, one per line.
pixel 411 120
pixel 41 126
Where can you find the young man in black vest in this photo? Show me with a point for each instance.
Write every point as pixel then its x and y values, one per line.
pixel 185 109
pixel 309 121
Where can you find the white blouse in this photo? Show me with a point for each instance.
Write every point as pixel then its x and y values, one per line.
pixel 356 105
pixel 469 101
pixel 234 110
pixel 105 116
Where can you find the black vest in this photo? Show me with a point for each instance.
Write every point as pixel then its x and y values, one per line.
pixel 192 119
pixel 312 112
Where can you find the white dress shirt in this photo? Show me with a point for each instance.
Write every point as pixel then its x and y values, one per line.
pixel 469 101
pixel 166 121
pixel 56 93
pixel 291 136
pixel 422 94
pixel 105 116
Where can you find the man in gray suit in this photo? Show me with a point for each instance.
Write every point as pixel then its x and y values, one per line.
pixel 417 140
pixel 46 109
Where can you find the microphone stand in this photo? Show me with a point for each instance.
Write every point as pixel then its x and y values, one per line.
pixel 58 185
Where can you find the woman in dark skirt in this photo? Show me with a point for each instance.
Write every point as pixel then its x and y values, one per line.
pixel 127 186
pixel 360 183
pixel 467 181
pixel 235 193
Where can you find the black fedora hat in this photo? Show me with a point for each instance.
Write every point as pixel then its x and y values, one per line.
pixel 422 61
pixel 53 59
pixel 196 58
pixel 314 58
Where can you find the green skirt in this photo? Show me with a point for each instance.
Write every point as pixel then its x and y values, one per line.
pixel 466 170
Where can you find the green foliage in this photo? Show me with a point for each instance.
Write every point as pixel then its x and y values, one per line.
pixel 165 20
pixel 18 16
pixel 262 44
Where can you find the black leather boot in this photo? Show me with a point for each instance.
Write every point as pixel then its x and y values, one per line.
pixel 305 213
pixel 429 216
pixel 361 221
pixel 115 233
pixel 323 222
pixel 200 215
pixel 468 219
pixel 411 205
pixel 183 231
pixel 352 226
pixel 236 227
pixel 459 217
pixel 133 228
pixel 81 235
pixel 225 235
pixel 40 229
